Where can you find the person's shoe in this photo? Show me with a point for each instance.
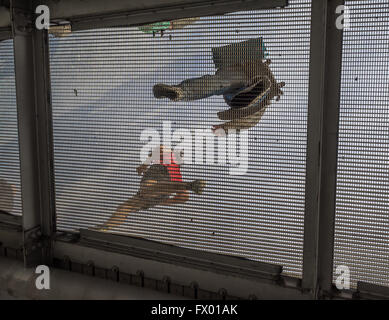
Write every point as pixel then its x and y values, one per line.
pixel 197 186
pixel 174 93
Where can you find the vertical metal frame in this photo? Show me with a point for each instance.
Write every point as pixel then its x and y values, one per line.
pixel 323 120
pixel 35 132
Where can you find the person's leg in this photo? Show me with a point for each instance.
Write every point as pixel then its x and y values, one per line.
pixel 151 193
pixel 144 199
pixel 224 80
pixel 133 204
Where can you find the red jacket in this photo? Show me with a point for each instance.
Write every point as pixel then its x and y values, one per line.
pixel 170 163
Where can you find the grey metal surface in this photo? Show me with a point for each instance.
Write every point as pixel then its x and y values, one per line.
pixel 102 100
pixel 323 114
pixel 17 282
pixel 362 191
pixel 207 280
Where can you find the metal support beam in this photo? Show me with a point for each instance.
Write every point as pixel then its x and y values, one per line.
pixel 156 251
pixel 154 11
pixel 34 122
pixel 323 119
pixel 153 267
pixel 86 14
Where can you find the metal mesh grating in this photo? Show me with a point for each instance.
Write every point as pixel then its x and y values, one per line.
pixel 362 206
pixel 10 197
pixel 102 84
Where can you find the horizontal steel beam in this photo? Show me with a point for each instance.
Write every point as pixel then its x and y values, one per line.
pixel 84 8
pixel 156 251
pixel 87 14
pixel 210 280
pixel 154 11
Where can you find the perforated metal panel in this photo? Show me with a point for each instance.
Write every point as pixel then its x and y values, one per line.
pixel 10 198
pixel 362 206
pixel 102 88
